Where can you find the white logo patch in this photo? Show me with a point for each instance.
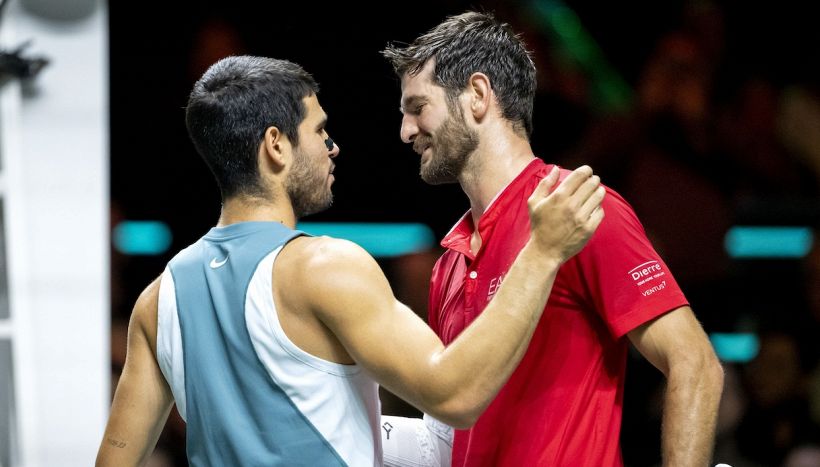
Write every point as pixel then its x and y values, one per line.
pixel 217 264
pixel 648 277
pixel 494 285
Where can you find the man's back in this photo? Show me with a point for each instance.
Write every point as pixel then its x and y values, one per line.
pixel 248 393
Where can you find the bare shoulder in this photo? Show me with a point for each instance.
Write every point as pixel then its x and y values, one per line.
pixel 312 256
pixel 328 268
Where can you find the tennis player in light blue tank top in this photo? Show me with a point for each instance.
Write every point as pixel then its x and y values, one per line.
pixel 248 395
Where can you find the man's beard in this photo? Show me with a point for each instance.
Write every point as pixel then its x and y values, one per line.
pixel 307 187
pixel 451 148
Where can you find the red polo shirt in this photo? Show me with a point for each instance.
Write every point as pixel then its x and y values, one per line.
pixel 562 405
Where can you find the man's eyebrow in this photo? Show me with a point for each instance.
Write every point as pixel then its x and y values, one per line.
pixel 322 123
pixel 411 101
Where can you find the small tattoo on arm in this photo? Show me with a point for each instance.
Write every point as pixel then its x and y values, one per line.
pixel 116 443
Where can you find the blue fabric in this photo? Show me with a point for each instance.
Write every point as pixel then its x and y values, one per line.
pixel 236 415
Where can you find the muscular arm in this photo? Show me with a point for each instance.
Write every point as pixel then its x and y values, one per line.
pixel 347 290
pixel 676 344
pixel 142 400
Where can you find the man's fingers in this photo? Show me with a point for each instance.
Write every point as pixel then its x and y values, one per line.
pixel 586 190
pixel 592 202
pixel 595 219
pixel 574 181
pixel 545 186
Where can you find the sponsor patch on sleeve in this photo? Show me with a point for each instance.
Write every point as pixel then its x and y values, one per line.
pixel 648 277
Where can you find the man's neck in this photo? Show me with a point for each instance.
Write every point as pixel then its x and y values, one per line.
pixel 252 209
pixel 491 168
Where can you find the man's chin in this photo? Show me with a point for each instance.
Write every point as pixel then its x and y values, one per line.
pixel 315 208
pixel 437 179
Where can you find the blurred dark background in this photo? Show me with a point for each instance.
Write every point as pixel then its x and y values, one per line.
pixel 704 115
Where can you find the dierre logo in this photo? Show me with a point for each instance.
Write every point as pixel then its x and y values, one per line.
pixel 645 269
pixel 645 275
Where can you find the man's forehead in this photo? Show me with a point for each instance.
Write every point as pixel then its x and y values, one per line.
pixel 313 108
pixel 419 87
pixel 419 77
pixel 311 102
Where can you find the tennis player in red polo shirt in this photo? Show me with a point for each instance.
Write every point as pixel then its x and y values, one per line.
pixel 467 96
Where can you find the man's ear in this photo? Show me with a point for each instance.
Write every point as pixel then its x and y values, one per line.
pixel 479 93
pixel 275 148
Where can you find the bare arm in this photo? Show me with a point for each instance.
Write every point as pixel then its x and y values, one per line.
pixel 346 289
pixel 676 344
pixel 143 400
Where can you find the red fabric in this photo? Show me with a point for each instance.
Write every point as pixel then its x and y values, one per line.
pixel 562 405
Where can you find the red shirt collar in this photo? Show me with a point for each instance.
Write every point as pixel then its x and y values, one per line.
pixel 458 239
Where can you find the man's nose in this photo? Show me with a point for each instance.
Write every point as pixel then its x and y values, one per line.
pixel 332 147
pixel 409 129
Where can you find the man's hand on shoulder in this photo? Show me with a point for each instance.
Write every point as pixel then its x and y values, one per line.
pixel 563 218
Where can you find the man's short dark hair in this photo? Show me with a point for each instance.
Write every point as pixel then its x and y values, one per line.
pixel 475 42
pixel 232 105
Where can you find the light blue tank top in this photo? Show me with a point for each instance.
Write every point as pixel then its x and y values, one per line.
pixel 249 396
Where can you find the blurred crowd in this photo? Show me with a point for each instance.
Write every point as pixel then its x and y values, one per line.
pixel 703 147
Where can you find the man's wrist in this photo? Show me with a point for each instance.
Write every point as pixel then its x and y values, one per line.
pixel 540 258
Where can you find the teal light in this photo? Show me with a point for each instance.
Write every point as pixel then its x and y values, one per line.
pixel 768 242
pixel 380 240
pixel 735 347
pixel 142 237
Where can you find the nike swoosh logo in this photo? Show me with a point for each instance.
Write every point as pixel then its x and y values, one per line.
pixel 216 264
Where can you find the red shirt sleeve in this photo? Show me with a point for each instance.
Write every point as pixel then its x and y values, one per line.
pixel 627 282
